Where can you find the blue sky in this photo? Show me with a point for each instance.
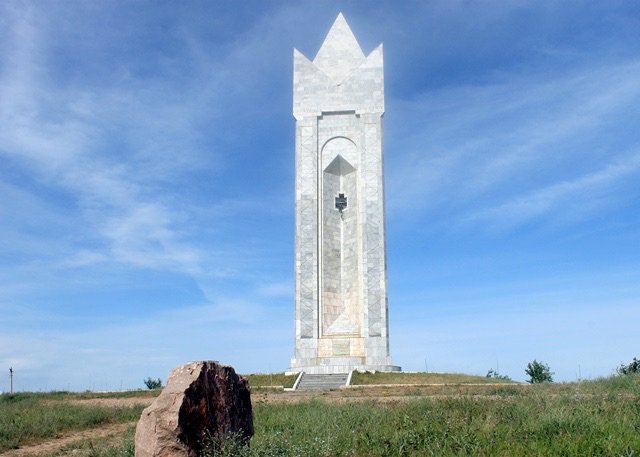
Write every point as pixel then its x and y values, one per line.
pixel 147 193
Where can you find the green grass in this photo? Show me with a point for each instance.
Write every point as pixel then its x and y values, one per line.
pixel 595 418
pixel 433 391
pixel 87 395
pixel 31 417
pixel 367 378
pixel 592 418
pixel 275 379
pixel 120 446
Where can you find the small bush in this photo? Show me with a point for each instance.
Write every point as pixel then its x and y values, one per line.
pixel 495 375
pixel 538 372
pixel 230 445
pixel 153 383
pixel 633 367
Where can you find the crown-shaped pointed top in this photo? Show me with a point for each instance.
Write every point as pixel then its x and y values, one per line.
pixel 340 53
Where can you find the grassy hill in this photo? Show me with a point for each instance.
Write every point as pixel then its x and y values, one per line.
pixel 458 416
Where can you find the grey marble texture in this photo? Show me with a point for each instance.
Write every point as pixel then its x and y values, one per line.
pixel 340 256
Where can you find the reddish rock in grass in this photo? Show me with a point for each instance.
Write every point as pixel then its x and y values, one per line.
pixel 202 400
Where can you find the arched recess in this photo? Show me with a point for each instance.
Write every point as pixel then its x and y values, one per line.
pixel 340 306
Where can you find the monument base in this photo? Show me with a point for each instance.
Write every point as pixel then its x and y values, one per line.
pixel 339 370
pixel 336 365
pixel 341 355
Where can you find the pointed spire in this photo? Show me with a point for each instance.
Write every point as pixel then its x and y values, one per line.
pixel 340 53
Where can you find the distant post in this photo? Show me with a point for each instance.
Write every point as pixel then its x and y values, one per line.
pixel 11 379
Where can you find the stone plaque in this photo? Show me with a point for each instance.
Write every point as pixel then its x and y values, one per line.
pixel 341 348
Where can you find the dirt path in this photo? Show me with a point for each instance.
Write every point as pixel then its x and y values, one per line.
pixel 115 402
pixel 48 447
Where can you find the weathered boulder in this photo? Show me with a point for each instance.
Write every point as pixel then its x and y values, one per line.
pixel 201 400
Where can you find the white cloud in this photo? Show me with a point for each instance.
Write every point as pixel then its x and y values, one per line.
pixel 567 201
pixel 129 350
pixel 122 165
pixel 128 196
pixel 466 148
pixel 144 237
pixel 60 134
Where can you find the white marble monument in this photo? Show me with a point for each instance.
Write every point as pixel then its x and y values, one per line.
pixel 340 272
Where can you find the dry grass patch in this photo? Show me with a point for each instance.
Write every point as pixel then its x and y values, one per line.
pixel 380 378
pixel 29 418
pixel 270 379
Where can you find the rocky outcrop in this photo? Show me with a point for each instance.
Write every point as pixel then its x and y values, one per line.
pixel 201 400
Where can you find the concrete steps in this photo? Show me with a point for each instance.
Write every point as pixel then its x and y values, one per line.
pixel 322 381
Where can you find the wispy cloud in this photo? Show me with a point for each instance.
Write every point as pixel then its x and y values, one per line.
pixel 147 174
pixel 126 195
pixel 129 350
pixel 531 134
pixel 144 237
pixel 566 201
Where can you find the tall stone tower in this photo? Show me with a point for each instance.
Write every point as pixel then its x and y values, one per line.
pixel 341 271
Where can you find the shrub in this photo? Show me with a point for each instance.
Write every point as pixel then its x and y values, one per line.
pixel 495 375
pixel 538 372
pixel 153 383
pixel 633 367
pixel 230 445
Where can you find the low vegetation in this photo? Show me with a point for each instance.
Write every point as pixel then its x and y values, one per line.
pixel 493 374
pixel 118 446
pixel 153 383
pixel 592 418
pixel 367 378
pixel 270 380
pixel 600 417
pixel 31 417
pixel 538 372
pixel 630 368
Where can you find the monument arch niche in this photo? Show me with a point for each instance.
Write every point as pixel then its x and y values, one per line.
pixel 340 305
pixel 341 310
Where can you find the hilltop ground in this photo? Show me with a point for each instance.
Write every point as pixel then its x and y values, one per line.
pixel 411 414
